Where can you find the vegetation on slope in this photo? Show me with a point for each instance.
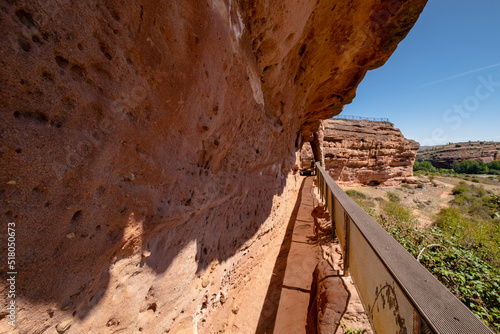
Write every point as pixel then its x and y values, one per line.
pixel 463 167
pixel 462 250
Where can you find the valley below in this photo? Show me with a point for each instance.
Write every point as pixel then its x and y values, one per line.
pixel 451 225
pixel 425 198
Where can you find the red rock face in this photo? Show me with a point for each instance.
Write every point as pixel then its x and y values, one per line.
pixel 147 146
pixel 367 152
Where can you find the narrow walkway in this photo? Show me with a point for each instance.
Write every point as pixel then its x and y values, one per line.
pixel 287 301
pixel 303 257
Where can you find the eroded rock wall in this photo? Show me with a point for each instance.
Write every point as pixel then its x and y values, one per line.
pixel 444 156
pixel 147 146
pixel 367 152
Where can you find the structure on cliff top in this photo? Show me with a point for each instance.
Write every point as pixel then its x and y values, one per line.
pixel 366 152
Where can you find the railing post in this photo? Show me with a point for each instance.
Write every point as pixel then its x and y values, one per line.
pixel 347 245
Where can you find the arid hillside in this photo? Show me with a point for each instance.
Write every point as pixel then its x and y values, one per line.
pixel 444 156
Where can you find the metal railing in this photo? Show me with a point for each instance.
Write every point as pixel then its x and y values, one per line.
pixel 361 118
pixel 398 293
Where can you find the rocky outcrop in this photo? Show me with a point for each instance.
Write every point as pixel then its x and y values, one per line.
pixel 444 156
pixel 367 152
pixel 147 146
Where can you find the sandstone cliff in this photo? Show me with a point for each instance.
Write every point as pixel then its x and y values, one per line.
pixel 147 147
pixel 444 156
pixel 367 152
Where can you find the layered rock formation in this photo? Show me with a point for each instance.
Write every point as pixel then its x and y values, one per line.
pixel 147 147
pixel 367 152
pixel 444 156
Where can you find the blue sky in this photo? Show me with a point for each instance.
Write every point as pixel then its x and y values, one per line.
pixel 455 40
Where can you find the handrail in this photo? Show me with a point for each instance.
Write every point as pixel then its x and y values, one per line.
pixel 398 293
pixel 361 118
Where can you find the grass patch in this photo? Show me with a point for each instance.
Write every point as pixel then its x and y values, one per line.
pixel 397 213
pixel 473 219
pixel 354 194
pixel 393 197
pixel 364 201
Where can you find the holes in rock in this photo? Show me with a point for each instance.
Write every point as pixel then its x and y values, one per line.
pixel 112 322
pixel 105 50
pixel 100 190
pixel 80 46
pixel 68 103
pixel 36 39
pixel 77 72
pixel 152 307
pixel 374 183
pixel 115 15
pixel 98 228
pixel 37 116
pixel 24 44
pixel 18 150
pixel 56 122
pixel 302 50
pixel 103 72
pixel 25 18
pixel 61 62
pixel 76 217
pixel 47 76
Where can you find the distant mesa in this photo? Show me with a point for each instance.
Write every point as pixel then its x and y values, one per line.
pixel 444 156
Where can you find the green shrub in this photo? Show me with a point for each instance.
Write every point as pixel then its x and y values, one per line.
pixel 472 280
pixel 406 186
pixel 460 189
pixel 354 194
pixel 398 213
pixel 420 185
pixel 472 220
pixel 494 166
pixel 424 166
pixel 467 260
pixel 393 197
pixel 470 167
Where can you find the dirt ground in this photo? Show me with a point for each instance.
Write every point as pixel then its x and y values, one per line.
pixel 429 198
